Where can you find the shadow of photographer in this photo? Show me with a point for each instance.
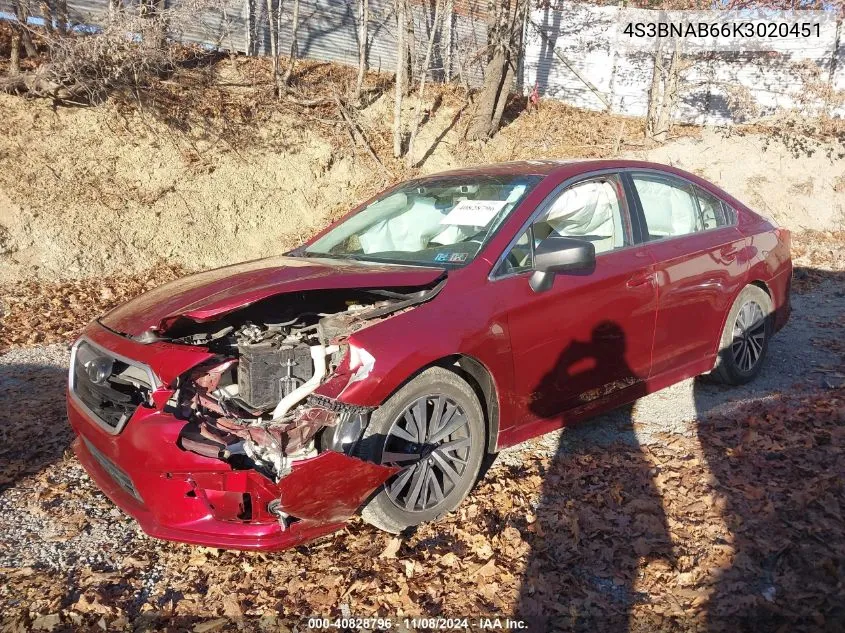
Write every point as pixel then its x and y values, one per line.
pixel 587 549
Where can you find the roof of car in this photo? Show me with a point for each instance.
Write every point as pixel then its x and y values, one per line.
pixel 549 167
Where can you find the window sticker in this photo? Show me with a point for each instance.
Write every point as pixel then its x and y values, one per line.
pixel 451 257
pixel 473 212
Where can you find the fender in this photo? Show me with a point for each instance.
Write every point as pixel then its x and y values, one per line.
pixel 398 357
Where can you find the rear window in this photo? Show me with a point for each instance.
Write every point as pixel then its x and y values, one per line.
pixel 673 207
pixel 713 212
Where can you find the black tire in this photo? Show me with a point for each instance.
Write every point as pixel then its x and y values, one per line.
pixel 395 507
pixel 747 332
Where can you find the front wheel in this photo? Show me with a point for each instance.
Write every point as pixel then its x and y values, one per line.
pixel 745 339
pixel 433 429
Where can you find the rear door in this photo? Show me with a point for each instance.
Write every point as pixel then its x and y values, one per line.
pixel 700 264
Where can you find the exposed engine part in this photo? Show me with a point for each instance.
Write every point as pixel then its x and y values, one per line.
pixel 268 371
pixel 253 405
pixel 318 356
pixel 204 338
pixel 273 448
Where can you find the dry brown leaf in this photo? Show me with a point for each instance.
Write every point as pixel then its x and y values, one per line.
pixel 486 570
pixel 211 625
pixel 231 606
pixel 392 548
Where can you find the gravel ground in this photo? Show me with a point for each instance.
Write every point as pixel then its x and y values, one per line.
pixel 798 358
pixel 41 474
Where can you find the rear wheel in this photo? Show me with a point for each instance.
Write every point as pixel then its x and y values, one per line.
pixel 433 429
pixel 745 339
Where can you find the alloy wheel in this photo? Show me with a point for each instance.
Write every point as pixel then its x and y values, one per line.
pixel 430 440
pixel 749 336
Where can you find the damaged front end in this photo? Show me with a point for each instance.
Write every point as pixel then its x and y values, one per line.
pixel 268 398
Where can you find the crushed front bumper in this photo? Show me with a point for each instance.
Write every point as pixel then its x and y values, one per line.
pixel 181 496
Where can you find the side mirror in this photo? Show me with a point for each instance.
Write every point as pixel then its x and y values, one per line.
pixel 561 254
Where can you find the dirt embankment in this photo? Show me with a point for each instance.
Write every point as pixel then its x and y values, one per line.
pixel 88 192
pixel 110 190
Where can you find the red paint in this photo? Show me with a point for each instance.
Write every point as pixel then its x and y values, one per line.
pixel 646 317
pixel 214 293
pixel 697 280
pixel 190 498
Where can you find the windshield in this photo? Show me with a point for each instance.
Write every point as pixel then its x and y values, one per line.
pixel 443 220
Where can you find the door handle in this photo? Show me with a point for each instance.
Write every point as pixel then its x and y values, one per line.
pixel 640 279
pixel 728 251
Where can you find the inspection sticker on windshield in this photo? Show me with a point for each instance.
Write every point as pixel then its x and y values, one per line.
pixel 473 212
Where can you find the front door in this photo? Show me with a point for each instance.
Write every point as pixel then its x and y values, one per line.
pixel 590 335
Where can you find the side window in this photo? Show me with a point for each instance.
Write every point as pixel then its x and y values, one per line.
pixel 520 257
pixel 730 214
pixel 713 212
pixel 669 206
pixel 593 210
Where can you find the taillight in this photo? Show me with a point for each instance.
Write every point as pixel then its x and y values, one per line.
pixel 784 236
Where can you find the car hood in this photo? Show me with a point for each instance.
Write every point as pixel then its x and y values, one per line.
pixel 214 293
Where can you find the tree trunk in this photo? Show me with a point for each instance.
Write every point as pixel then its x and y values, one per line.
pixel 502 101
pixel 292 55
pixel 363 23
pixel 410 48
pixel 654 92
pixel 114 9
pixel 491 93
pixel 15 55
pixel 663 94
pixel 22 14
pixel 401 52
pixel 669 100
pixel 504 37
pixel 47 15
pixel 423 74
pixel 161 22
pixel 449 17
pixel 61 16
pixel 274 45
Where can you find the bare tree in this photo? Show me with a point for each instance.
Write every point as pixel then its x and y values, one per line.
pixel 114 9
pixel 363 24
pixel 15 53
pixel 90 66
pixel 272 22
pixel 22 15
pixel 504 42
pixel 61 16
pixel 423 74
pixel 401 66
pixel 156 13
pixel 293 43
pixel 47 15
pixel 449 19
pixel 410 46
pixel 664 91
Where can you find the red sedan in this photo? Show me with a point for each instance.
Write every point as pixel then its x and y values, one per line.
pixel 371 370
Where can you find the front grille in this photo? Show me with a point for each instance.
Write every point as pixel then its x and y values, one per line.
pixel 120 477
pixel 110 388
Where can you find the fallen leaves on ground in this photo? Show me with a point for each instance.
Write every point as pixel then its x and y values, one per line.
pixel 37 312
pixel 741 521
pixel 737 527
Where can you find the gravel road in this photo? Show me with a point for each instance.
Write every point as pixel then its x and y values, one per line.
pixel 39 474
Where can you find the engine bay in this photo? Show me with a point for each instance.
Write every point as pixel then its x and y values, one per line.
pixel 253 404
